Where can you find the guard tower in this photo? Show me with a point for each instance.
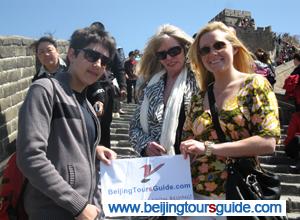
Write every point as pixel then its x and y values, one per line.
pixel 253 37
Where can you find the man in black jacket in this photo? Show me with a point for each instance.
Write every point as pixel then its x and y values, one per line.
pixel 101 95
pixel 117 64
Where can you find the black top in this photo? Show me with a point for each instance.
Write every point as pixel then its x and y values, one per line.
pixel 89 120
pixel 296 70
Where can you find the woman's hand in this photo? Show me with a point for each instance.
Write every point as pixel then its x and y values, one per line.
pixel 105 154
pixel 155 149
pixel 192 147
pixel 90 212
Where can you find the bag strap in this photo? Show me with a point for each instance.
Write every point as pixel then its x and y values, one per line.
pixel 215 118
pixel 214 113
pixel 54 88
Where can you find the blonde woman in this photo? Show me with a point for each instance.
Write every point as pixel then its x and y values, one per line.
pixel 166 91
pixel 246 103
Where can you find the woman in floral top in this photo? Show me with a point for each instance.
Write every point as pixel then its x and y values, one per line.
pixel 247 106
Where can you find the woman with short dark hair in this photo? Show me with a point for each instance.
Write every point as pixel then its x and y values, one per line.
pixel 48 61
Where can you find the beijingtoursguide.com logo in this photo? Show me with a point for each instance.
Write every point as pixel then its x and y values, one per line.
pixel 148 171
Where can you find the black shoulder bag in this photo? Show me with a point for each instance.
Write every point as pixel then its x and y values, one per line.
pixel 246 178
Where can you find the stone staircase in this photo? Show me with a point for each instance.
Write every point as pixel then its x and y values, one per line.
pixel 119 133
pixel 278 163
pixel 285 168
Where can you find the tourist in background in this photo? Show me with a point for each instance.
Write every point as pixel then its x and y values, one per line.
pixel 247 107
pixel 292 141
pixel 117 68
pixel 101 95
pixel 296 60
pixel 48 61
pixel 58 134
pixel 292 84
pixel 264 58
pixel 131 77
pixel 167 86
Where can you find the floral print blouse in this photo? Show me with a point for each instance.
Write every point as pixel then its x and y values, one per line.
pixel 253 111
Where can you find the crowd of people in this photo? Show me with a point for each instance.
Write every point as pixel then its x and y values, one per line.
pixel 64 122
pixel 286 51
pixel 246 22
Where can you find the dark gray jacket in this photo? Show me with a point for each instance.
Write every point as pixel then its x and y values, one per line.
pixel 53 151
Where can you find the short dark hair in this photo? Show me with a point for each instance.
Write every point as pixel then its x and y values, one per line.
pixel 297 56
pixel 99 25
pixel 262 55
pixel 85 36
pixel 49 39
pixel 131 53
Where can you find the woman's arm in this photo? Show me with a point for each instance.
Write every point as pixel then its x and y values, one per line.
pixel 137 137
pixel 252 146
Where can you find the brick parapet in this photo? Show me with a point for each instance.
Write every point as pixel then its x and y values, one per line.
pixel 17 67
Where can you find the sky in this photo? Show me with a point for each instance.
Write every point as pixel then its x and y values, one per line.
pixel 133 22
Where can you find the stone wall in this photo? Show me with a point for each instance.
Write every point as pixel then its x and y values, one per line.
pixel 17 67
pixel 259 38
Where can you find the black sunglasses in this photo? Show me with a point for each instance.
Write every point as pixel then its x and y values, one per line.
pixel 173 51
pixel 219 45
pixel 92 56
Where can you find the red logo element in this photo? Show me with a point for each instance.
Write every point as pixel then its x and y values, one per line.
pixel 148 171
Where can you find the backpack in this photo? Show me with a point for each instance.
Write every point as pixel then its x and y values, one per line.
pixel 12 186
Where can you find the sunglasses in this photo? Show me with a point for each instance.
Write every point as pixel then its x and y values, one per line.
pixel 219 45
pixel 92 56
pixel 173 51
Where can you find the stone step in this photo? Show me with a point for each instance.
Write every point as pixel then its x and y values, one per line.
pixel 281 168
pixel 293 216
pixel 279 153
pixel 283 159
pixel 292 203
pixel 119 130
pixel 280 147
pixel 122 120
pixel 125 152
pixel 120 143
pixel 128 105
pixel 126 117
pixel 289 178
pixel 290 189
pixel 115 124
pixel 129 110
pixel 118 137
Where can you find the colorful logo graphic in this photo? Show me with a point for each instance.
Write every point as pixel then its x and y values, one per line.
pixel 148 171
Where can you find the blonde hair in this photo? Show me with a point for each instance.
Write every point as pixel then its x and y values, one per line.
pixel 242 60
pixel 149 64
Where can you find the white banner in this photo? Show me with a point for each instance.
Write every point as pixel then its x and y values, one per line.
pixel 147 178
pixel 196 208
